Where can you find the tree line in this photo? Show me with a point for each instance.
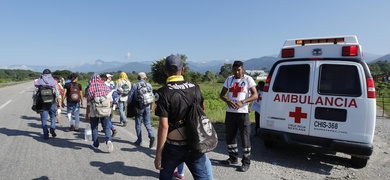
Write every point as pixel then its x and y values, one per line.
pixel 379 70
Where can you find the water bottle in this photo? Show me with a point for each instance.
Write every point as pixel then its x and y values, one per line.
pixel 88 132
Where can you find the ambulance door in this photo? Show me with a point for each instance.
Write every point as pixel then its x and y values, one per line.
pixel 285 107
pixel 339 101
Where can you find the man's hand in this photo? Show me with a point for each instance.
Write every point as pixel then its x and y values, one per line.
pixel 157 162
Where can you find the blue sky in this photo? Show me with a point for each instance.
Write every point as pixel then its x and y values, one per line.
pixel 70 32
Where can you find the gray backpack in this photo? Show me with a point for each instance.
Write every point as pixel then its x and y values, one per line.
pixel 144 94
pixel 101 106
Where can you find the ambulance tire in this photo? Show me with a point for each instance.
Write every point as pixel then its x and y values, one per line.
pixel 269 143
pixel 358 162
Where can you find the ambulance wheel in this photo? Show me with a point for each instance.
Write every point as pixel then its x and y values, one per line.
pixel 358 162
pixel 269 143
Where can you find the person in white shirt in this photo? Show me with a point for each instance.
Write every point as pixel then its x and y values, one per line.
pixel 240 90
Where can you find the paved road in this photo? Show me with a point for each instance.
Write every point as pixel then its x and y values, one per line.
pixel 25 155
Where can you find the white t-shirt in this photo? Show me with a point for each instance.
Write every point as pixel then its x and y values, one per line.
pixel 256 104
pixel 238 90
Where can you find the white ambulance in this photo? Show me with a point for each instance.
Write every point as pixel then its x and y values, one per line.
pixel 321 93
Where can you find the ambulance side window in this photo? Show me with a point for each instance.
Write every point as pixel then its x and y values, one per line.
pixel 342 80
pixel 292 79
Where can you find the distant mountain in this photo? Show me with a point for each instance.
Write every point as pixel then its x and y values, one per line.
pixel 212 66
pixel 370 57
pixel 263 63
pixel 383 58
pixel 99 66
pixel 132 67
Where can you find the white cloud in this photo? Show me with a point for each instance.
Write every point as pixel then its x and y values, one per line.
pixel 128 56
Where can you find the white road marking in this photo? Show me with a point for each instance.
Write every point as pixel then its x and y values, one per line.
pixel 1 107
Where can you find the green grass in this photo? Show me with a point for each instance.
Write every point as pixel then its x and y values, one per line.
pixel 384 103
pixel 4 83
pixel 215 107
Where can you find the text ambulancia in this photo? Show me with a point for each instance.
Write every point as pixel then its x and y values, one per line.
pixel 321 93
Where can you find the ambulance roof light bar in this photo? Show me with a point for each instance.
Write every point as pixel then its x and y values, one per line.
pixel 317 41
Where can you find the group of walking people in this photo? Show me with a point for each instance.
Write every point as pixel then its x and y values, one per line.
pixel 98 85
pixel 172 149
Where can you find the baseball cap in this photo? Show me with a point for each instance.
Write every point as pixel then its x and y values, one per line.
pixel 173 60
pixel 46 71
pixel 142 75
pixel 109 75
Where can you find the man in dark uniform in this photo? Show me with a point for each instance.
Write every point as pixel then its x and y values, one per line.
pixel 172 148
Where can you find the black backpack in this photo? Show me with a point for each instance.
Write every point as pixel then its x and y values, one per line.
pixel 200 133
pixel 46 95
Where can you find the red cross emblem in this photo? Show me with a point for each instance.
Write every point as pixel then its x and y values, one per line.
pixel 298 115
pixel 235 89
pixel 259 98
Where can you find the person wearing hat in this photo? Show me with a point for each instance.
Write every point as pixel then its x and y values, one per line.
pixel 74 96
pixel 142 91
pixel 109 82
pixel 171 129
pixel 46 109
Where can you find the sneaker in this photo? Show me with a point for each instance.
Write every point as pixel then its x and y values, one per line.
pixel 95 148
pixel 230 161
pixel 77 130
pixel 151 142
pixel 243 168
pixel 53 133
pixel 125 124
pixel 138 143
pixel 71 128
pixel 178 176
pixel 110 146
pixel 113 132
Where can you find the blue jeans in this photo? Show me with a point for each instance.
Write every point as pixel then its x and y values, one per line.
pixel 48 110
pixel 173 155
pixel 122 108
pixel 180 168
pixel 73 108
pixel 144 113
pixel 110 125
pixel 94 121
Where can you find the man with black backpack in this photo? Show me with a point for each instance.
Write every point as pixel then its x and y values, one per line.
pixel 143 94
pixel 46 97
pixel 172 145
